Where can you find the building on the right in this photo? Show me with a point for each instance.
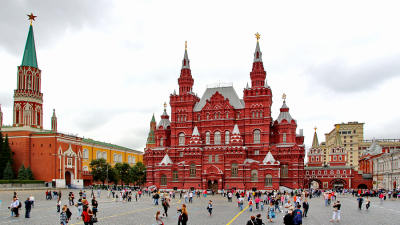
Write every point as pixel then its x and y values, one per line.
pixel 386 168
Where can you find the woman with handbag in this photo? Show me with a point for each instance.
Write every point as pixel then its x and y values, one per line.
pixel 87 215
pixel 271 212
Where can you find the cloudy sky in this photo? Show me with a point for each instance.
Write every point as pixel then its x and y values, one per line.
pixel 108 66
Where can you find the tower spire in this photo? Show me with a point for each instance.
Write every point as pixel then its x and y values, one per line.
pixel 258 74
pixel 185 80
pixel 54 122
pixel 315 143
pixel 29 58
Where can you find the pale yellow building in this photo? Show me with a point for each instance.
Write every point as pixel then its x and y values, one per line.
pixel 352 135
pixel 113 154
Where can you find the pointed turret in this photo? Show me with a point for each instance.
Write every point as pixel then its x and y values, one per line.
pixel 28 99
pixel 166 161
pixel 195 139
pixel 185 80
pixel 315 143
pixel 236 138
pixel 269 159
pixel 258 74
pixel 151 139
pixel 164 122
pixel 54 122
pixel 284 112
pixel 29 58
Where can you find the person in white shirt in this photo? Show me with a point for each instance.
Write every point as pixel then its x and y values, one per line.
pixel 32 200
pixel 15 206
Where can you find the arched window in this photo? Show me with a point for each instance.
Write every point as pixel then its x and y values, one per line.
pixel 175 175
pixel 161 142
pixel 163 179
pixel 284 170
pixel 208 116
pixel 234 170
pixel 207 138
pixel 261 114
pixel 227 115
pixel 217 138
pixel 252 114
pixel 210 158
pixel 284 138
pixel 268 180
pixel 192 170
pixel 254 175
pixel 85 153
pixel 227 137
pixel 256 136
pixel 198 117
pixel 104 155
pixel 181 139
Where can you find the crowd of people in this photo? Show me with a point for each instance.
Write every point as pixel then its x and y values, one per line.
pixel 270 206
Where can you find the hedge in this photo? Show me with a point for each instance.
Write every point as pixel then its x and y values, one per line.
pixel 21 181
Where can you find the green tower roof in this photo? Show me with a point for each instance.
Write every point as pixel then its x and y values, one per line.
pixel 153 119
pixel 29 58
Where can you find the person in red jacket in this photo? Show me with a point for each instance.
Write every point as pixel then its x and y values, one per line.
pixel 87 215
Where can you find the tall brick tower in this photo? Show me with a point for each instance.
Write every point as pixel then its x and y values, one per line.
pixel 151 139
pixel 28 99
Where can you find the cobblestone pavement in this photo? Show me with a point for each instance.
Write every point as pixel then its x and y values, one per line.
pixel 143 211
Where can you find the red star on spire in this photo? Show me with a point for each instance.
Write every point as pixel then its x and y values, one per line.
pixel 31 17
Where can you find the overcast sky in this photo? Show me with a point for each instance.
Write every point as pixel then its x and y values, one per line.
pixel 108 66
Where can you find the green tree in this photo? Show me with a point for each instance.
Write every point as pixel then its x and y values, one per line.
pixel 29 174
pixel 124 172
pixel 100 169
pixel 139 173
pixel 8 173
pixel 22 175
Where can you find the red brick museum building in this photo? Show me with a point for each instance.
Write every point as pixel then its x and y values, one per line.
pixel 220 141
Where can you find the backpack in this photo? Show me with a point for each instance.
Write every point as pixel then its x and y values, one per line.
pixel 20 205
pixel 297 219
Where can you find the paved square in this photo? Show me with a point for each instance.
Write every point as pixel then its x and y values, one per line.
pixel 143 211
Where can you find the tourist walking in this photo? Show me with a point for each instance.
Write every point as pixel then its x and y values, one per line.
pixel 252 221
pixel 28 206
pixel 165 205
pixel 63 216
pixel 158 219
pixel 306 206
pixel 336 212
pixel 368 203
pixel 183 217
pixel 95 204
pixel 79 207
pixel 69 213
pixel 271 212
pixel 250 205
pixel 288 218
pixel 360 202
pixel 240 202
pixel 259 220
pixel 210 207
pixel 15 205
pixel 87 215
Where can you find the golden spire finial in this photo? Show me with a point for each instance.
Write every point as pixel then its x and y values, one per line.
pixel 257 36
pixel 284 97
pixel 185 45
pixel 165 106
pixel 31 17
pixel 315 128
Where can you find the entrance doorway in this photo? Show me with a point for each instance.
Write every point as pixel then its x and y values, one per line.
pixel 338 184
pixel 213 185
pixel 362 186
pixel 314 185
pixel 67 178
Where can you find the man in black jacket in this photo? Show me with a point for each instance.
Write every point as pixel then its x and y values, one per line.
pixel 288 218
pixel 252 221
pixel 306 206
pixel 28 206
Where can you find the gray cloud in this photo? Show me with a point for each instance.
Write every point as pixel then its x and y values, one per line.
pixel 53 21
pixel 339 76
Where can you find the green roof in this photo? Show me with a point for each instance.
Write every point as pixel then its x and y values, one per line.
pixel 91 141
pixel 153 119
pixel 29 58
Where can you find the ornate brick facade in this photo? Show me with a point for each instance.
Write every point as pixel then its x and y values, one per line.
pixel 221 141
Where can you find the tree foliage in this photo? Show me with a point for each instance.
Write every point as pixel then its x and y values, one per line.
pixel 22 175
pixel 8 173
pixel 29 174
pixel 5 154
pixel 139 173
pixel 99 169
pixel 124 172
